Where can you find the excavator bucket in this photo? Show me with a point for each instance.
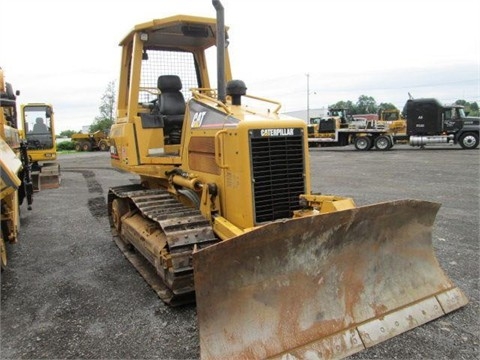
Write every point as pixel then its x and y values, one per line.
pixel 324 286
pixel 47 178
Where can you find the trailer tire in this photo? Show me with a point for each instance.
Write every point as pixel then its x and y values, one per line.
pixel 469 140
pixel 78 147
pixel 383 143
pixel 362 143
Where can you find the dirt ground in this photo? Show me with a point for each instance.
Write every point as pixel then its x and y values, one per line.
pixel 70 294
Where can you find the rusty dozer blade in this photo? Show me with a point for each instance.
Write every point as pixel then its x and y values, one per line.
pixel 323 287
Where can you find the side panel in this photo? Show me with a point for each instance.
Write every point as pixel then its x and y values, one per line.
pixel 123 146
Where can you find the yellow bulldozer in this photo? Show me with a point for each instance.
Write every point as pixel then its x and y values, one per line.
pixel 15 178
pixel 39 131
pixel 223 213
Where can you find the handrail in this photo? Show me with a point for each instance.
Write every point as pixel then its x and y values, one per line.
pixel 218 149
pixel 150 90
pixel 199 93
pixel 279 105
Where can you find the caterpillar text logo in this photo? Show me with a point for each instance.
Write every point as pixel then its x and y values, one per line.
pixel 276 132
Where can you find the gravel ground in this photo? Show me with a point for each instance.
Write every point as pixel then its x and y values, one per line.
pixel 69 293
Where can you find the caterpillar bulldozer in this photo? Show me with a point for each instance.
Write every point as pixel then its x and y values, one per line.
pixel 15 180
pixel 39 132
pixel 223 214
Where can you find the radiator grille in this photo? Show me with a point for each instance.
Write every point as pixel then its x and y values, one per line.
pixel 278 175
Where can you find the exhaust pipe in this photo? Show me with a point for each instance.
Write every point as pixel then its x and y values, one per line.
pixel 220 51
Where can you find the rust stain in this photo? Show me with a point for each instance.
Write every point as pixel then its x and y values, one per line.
pixel 281 287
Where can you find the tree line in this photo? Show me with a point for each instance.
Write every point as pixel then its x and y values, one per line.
pixel 364 105
pixel 367 105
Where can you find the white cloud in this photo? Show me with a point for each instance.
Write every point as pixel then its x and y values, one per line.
pixel 66 52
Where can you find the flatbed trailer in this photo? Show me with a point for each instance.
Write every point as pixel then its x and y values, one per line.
pixel 362 139
pixel 427 122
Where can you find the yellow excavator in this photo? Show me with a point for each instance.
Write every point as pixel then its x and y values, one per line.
pixel 223 213
pixel 39 132
pixel 15 178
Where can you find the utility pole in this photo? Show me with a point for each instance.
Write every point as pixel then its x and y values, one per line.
pixel 308 97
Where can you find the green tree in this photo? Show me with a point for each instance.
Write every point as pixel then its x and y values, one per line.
pixel 366 105
pixel 474 110
pixel 107 108
pixel 67 133
pixel 470 108
pixel 66 145
pixel 101 125
pixel 387 106
pixel 343 105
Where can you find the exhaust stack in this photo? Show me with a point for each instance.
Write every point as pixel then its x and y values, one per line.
pixel 220 50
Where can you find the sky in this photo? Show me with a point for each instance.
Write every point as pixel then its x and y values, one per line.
pixel 65 52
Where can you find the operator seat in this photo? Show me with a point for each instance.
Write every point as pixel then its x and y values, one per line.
pixel 171 106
